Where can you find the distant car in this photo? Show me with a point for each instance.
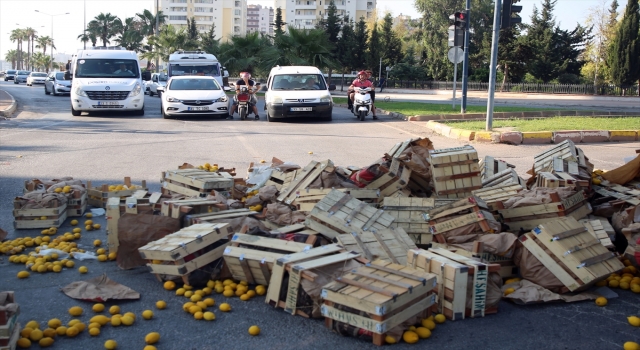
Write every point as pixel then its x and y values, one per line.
pixel 21 76
pixel 157 79
pixel 193 95
pixel 10 74
pixel 36 78
pixel 56 84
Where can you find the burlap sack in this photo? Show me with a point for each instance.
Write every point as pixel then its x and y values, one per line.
pixel 40 200
pixel 540 195
pixel 620 220
pixel 502 244
pixel 625 173
pixel 237 224
pixel 134 231
pixel 282 215
pixel 416 158
pixel 533 270
pixel 531 293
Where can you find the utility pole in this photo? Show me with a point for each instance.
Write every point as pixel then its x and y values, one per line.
pixel 84 30
pixel 494 63
pixel 465 65
pixel 156 32
pixel 380 70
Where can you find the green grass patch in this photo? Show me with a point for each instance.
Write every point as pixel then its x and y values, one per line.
pixel 555 123
pixel 420 108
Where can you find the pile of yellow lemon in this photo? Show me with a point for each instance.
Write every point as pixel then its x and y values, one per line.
pixel 65 189
pixel 596 176
pixel 208 167
pixel 121 187
pixel 421 331
pixel 629 280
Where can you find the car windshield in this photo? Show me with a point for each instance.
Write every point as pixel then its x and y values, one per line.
pixel 107 68
pixel 194 84
pixel 24 72
pixel 162 77
pixel 60 76
pixel 210 70
pixel 11 72
pixel 38 74
pixel 298 82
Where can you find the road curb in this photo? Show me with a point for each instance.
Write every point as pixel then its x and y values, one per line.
pixel 528 138
pixel 8 111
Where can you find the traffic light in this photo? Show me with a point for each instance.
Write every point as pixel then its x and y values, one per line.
pixel 459 20
pixel 510 14
pixel 457 28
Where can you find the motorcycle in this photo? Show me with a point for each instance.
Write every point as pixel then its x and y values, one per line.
pixel 362 102
pixel 244 99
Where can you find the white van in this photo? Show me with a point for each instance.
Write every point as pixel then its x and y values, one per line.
pixel 298 91
pixel 107 79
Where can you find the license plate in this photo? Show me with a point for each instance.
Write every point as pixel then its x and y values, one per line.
pixel 301 109
pixel 197 108
pixel 107 103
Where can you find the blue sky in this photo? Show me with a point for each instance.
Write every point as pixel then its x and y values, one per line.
pixel 66 28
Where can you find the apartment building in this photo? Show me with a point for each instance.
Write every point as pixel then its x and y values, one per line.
pixel 260 19
pixel 228 16
pixel 305 13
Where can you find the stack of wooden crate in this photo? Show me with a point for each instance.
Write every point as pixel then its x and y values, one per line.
pixel 409 214
pixel 456 172
pixel 393 181
pixel 462 282
pixel 494 194
pixel 9 326
pixel 360 227
pixel 195 182
pixel 571 253
pixel 98 196
pixel 470 213
pixel 53 214
pixel 378 297
pixel 180 253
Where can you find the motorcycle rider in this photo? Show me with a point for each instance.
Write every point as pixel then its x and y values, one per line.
pixel 252 89
pixel 372 93
pixel 361 82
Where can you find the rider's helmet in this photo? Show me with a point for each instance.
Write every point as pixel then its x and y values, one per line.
pixel 363 74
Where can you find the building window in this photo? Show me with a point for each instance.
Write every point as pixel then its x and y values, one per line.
pixel 204 9
pixel 203 1
pixel 178 9
pixel 177 18
pixel 237 12
pixel 179 1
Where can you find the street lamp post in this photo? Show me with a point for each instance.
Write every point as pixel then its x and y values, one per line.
pixel 50 15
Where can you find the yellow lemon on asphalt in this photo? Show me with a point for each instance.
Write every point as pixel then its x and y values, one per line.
pixel 97 242
pixel 169 285
pixel 150 347
pixel 261 290
pixel 80 326
pixel 112 256
pixel 196 297
pixel 439 318
pixel 180 291
pixel 62 330
pixel 94 325
pixel 75 311
pixel 423 332
pixel 24 343
pixel 635 288
pixel 390 340
pixel 49 332
pixel 130 314
pixel 161 304
pixel 224 307
pixel 147 314
pixel 410 337
pixel 97 307
pixel 46 342
pixel 198 315
pixel 94 332
pixel 152 338
pixel 73 322
pixel 72 332
pixel 601 301
pixel 101 251
pixel 96 226
pixel 188 294
pixel 245 297
pixel 187 287
pixel 88 215
pixel 23 274
pixel 631 345
pixel 100 319
pixel 36 335
pixel 228 293
pixel 429 324
pixel 127 320
pixel 54 323
pixel 254 330
pixel 116 321
pixel 83 269
pixel 209 301
pixel 634 321
pixel 70 264
pixel 115 309
pixel 209 316
pixel 110 344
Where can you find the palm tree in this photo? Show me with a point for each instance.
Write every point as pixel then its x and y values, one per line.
pixel 169 40
pixel 109 24
pixel 44 42
pixel 148 28
pixel 250 52
pixel 12 56
pixel 31 35
pixel 17 35
pixel 303 47
pixel 90 34
pixel 131 40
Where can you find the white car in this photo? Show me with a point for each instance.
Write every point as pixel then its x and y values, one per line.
pixel 36 78
pixel 157 79
pixel 192 96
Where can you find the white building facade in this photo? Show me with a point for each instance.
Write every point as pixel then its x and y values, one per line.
pixel 306 13
pixel 260 19
pixel 228 16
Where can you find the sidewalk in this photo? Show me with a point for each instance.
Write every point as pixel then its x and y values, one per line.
pixel 7 104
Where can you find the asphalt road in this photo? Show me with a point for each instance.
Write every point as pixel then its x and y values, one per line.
pixel 44 141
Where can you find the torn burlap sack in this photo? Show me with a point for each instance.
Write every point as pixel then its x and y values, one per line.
pixel 540 195
pixel 527 292
pixel 265 194
pixel 136 230
pixel 625 173
pixel 39 200
pixel 99 289
pixel 281 214
pixel 533 270
pixel 416 156
pixel 502 244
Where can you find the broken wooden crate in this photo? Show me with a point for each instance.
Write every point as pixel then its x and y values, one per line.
pixel 461 213
pixel 250 258
pixel 394 180
pixel 602 231
pixel 618 193
pixel 455 171
pixel 306 199
pixel 137 203
pixel 182 252
pixel 383 296
pixel 409 215
pixel 191 219
pixel 504 177
pixel 552 157
pixel 491 195
pixel 571 253
pixel 360 227
pixel 98 196
pixel 177 209
pixel 195 182
pixel 462 282
pixel 298 180
pixel 289 269
pixel 528 217
pixel 508 269
pixel 9 313
pixel 489 166
pixel 558 179
pixel 53 216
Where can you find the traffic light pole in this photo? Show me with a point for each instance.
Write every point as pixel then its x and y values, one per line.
pixel 494 63
pixel 465 65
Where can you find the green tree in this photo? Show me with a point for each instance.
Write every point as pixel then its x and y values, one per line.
pixel 168 40
pixel 192 29
pixel 360 49
pixel 346 47
pixel 130 40
pixel 248 53
pixel 17 35
pixel 11 56
pixel 303 47
pixel 604 22
pixel 331 26
pixel 391 46
pixel 44 42
pixel 624 58
pixel 147 22
pixel 31 35
pixel 540 37
pixel 374 49
pixel 278 23
pixel 209 42
pixel 109 25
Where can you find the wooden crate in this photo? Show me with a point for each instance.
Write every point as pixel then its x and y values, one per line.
pixel 463 212
pixel 491 195
pixel 393 180
pixel 462 282
pixel 306 199
pixel 455 171
pixel 619 193
pixel 566 150
pixel 32 218
pixel 527 218
pixel 298 229
pixel 557 179
pixel 187 250
pixel 298 180
pixel 490 166
pixel 571 253
pixel 191 219
pixel 409 215
pixel 195 182
pixel 504 177
pixel 98 196
pixel 254 261
pixel 598 231
pixel 297 266
pixel 10 343
pixel 181 207
pixel 508 269
pixel 77 204
pixel 360 227
pixel 388 294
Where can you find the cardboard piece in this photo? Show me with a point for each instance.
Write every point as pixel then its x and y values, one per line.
pixel 530 293
pixel 135 231
pixel 99 289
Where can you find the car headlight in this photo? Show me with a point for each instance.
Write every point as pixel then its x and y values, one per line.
pixel 136 90
pixel 171 99
pixel 325 98
pixel 60 85
pixel 222 99
pixel 80 92
pixel 276 100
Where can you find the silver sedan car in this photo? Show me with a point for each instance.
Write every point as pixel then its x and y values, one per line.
pixel 36 78
pixel 55 84
pixel 21 76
